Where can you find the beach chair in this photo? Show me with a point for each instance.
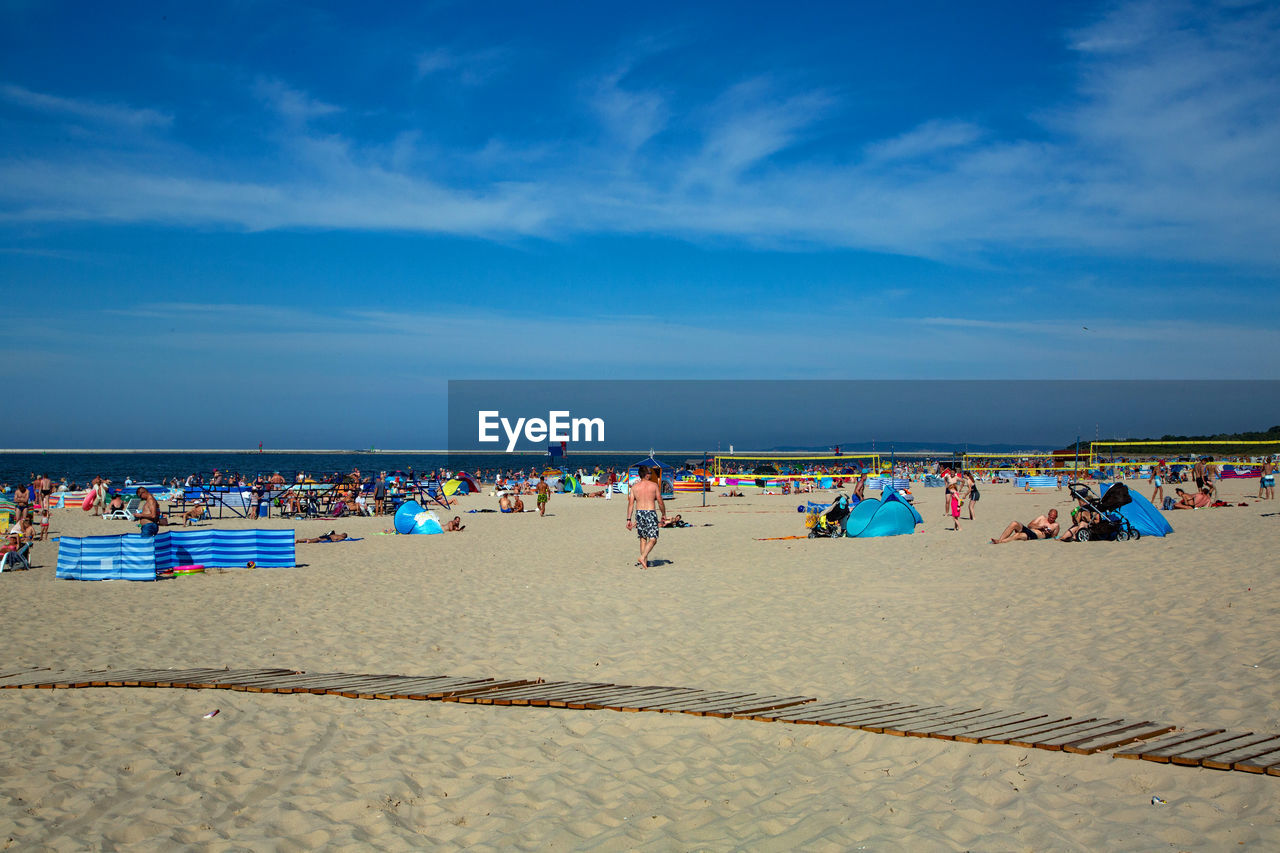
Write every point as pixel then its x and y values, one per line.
pixel 16 559
pixel 205 516
pixel 127 513
pixel 435 492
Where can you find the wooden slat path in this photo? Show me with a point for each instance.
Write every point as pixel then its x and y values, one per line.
pixel 1145 740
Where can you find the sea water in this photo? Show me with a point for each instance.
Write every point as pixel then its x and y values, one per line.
pixel 155 467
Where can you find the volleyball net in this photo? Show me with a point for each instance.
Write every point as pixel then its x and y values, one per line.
pixel 1027 463
pixel 795 467
pixel 1106 453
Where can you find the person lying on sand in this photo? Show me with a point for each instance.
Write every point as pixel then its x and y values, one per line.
pixel 331 536
pixel 1042 527
pixel 454 525
pixel 732 494
pixel 672 522
pixel 1200 499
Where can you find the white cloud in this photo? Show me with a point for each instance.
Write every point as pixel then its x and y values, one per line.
pixel 1165 151
pixel 932 137
pixel 83 110
pixel 291 104
pixel 469 68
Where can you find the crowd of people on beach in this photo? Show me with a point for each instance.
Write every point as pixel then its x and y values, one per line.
pixel 357 494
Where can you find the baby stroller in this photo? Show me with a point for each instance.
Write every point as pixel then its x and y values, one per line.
pixel 829 524
pixel 1111 525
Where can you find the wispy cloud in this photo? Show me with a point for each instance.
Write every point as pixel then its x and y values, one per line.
pixel 328 342
pixel 289 103
pixel 83 110
pixel 468 68
pixel 932 137
pixel 1165 150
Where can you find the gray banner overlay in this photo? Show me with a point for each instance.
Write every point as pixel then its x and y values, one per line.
pixel 806 415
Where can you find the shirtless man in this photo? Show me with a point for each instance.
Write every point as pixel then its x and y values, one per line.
pixel 1267 482
pixel 642 497
pixel 454 525
pixel 148 514
pixel 544 495
pixel 1197 473
pixel 504 502
pixel 1042 527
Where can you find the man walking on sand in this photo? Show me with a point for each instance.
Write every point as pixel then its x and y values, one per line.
pixel 642 498
pixel 544 495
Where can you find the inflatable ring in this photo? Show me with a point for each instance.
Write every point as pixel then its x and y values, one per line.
pixel 188 570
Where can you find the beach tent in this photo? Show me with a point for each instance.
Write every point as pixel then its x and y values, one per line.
pixel 668 474
pixel 412 518
pixel 571 485
pixel 891 515
pixel 1140 513
pixel 461 484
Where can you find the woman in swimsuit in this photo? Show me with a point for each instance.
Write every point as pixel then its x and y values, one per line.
pixel 971 494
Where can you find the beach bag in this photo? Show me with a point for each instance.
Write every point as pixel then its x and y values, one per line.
pixel 1169 503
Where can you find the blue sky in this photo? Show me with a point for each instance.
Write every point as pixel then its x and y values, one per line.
pixel 292 223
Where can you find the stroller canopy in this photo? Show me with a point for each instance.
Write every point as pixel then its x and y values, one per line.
pixel 1113 498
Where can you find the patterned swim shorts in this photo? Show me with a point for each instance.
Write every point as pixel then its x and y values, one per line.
pixel 647 523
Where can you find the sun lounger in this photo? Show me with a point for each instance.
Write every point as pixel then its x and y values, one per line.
pixel 127 513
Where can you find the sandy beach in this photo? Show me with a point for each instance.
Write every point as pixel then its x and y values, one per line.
pixel 1178 630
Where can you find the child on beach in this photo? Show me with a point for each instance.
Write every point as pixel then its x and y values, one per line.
pixel 953 503
pixel 44 522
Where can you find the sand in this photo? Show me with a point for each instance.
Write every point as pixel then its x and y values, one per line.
pixel 1178 630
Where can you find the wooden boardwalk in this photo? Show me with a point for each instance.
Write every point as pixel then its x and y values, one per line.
pixel 1146 740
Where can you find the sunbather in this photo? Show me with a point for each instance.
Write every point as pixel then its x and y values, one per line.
pixel 331 536
pixel 1082 519
pixel 1200 499
pixel 1041 527
pixel 454 525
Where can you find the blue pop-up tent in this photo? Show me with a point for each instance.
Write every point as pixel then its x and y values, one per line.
pixel 891 515
pixel 1140 513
